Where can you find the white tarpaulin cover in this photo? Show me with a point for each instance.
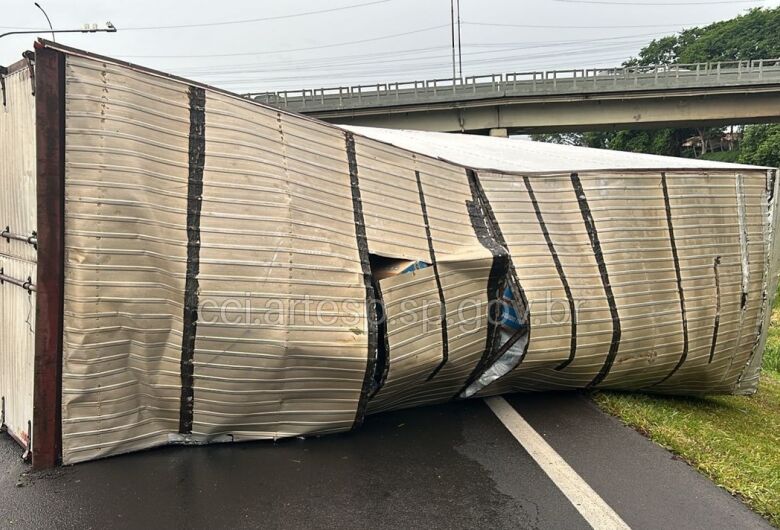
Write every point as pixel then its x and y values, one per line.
pixel 236 272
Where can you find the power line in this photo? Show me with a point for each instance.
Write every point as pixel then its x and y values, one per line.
pixel 283 83
pixel 264 19
pixel 419 54
pixel 234 22
pixel 623 26
pixel 374 39
pixel 306 63
pixel 396 55
pixel 15 28
pixel 538 43
pixel 487 64
pixel 405 65
pixel 288 50
pixel 256 84
pixel 526 26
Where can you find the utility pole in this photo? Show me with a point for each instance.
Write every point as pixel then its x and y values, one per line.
pixel 452 26
pixel 460 49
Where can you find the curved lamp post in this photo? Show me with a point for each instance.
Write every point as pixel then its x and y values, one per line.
pixel 47 20
pixel 86 29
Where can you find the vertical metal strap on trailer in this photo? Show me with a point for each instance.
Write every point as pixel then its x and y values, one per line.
pixel 29 56
pixel 50 145
pixel 3 73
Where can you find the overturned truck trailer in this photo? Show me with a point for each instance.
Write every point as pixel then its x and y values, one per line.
pixel 182 265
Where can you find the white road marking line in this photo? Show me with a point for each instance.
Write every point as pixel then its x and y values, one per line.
pixel 592 507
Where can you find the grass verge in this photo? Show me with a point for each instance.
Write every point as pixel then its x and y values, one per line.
pixel 734 440
pixel 772 349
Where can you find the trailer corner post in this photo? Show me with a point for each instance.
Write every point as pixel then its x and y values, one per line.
pixel 50 155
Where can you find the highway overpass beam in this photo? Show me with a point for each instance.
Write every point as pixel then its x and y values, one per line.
pixel 575 113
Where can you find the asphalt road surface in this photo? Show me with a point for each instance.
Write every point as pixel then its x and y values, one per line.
pixel 451 466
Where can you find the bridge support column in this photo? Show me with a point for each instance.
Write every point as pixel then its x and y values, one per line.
pixel 499 133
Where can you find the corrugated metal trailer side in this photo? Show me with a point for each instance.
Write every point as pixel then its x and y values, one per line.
pixel 211 269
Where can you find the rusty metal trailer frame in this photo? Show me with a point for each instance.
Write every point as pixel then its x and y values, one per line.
pixel 50 138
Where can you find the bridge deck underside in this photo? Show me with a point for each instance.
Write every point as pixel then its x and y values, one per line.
pixel 571 113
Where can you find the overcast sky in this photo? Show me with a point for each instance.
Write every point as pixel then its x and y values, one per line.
pixel 366 42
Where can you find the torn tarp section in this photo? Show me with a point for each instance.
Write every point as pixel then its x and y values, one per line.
pixel 513 345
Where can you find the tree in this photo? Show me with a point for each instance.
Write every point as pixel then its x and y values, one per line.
pixel 761 145
pixel 754 35
pixel 559 138
pixel 665 50
pixel 661 141
pixel 746 37
pixel 588 139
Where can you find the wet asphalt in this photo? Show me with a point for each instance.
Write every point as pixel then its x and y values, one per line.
pixel 450 466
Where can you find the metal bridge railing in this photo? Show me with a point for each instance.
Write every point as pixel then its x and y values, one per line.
pixel 526 83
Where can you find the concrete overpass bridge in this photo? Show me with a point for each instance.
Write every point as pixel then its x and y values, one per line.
pixel 687 95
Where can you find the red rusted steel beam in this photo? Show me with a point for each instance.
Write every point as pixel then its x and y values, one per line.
pixel 50 140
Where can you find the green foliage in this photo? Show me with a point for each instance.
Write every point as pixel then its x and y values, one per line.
pixel 754 35
pixel 660 142
pixel 665 50
pixel 772 349
pixel 761 145
pixel 559 138
pixel 750 36
pixel 599 140
pixel 722 156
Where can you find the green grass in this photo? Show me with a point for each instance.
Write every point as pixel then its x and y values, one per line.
pixel 734 440
pixel 772 350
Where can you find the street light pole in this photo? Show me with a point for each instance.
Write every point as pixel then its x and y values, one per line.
pixel 88 29
pixel 47 20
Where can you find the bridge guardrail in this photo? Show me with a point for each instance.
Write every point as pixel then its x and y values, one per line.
pixel 524 83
